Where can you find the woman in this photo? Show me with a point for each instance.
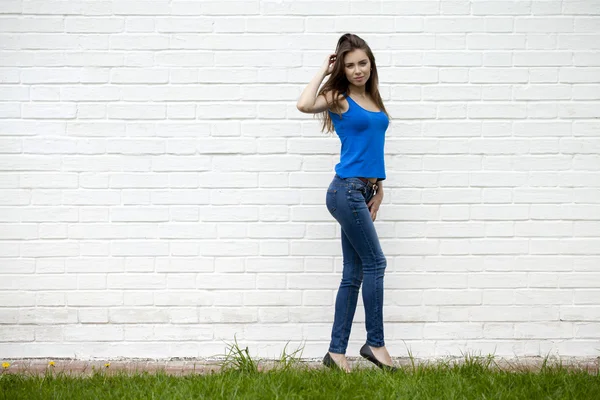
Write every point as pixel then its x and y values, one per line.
pixel 350 104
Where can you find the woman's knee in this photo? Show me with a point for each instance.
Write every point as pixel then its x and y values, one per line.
pixel 381 261
pixel 353 282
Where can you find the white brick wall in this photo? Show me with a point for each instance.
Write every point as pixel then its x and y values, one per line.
pixel 160 193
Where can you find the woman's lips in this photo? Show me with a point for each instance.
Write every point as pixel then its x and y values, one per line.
pixel 359 78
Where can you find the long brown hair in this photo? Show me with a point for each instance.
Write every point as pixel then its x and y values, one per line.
pixel 338 83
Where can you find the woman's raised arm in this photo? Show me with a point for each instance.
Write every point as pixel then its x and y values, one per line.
pixel 308 101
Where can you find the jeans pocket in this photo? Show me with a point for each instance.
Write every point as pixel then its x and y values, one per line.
pixel 331 200
pixel 369 193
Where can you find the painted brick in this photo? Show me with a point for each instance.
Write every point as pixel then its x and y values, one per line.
pixel 155 174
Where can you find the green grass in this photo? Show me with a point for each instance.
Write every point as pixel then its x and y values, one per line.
pixel 241 377
pixel 435 382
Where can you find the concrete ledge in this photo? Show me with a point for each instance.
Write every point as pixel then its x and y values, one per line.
pixel 207 366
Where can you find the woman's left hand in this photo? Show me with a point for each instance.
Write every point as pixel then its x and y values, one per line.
pixel 375 203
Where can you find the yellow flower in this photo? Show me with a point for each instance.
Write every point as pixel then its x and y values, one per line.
pixel 107 365
pixel 5 365
pixel 51 363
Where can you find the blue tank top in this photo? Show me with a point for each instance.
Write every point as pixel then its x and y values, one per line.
pixel 362 133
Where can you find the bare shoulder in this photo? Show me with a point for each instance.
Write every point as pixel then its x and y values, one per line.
pixel 323 102
pixel 329 96
pixel 341 99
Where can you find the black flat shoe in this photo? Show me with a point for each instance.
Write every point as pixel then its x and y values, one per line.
pixel 367 353
pixel 328 362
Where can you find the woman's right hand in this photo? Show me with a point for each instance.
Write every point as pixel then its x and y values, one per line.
pixel 329 64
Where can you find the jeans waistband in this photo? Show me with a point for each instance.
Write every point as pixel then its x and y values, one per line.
pixel 367 182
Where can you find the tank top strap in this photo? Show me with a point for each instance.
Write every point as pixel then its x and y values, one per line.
pixel 349 100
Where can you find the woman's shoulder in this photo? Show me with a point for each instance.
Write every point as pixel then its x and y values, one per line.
pixel 330 95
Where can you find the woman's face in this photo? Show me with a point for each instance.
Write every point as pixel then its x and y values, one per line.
pixel 357 67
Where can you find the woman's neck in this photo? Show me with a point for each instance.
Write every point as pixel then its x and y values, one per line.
pixel 358 92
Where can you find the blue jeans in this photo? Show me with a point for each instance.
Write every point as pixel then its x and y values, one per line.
pixel 363 259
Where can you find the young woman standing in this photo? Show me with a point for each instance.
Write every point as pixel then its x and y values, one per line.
pixel 349 103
